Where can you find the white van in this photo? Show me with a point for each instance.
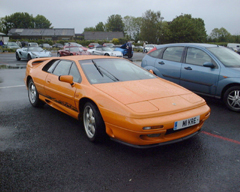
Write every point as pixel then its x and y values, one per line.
pixel 234 46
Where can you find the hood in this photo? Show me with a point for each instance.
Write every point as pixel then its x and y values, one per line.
pixel 231 72
pixel 151 95
pixel 42 53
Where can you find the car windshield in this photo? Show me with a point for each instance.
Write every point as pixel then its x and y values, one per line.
pixel 73 49
pixel 228 57
pixel 35 49
pixel 108 44
pixel 12 44
pixel 107 49
pixel 113 70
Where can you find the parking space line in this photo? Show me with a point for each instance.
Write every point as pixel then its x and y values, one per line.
pixel 12 86
pixel 221 137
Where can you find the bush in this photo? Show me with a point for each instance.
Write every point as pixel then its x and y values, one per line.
pixel 115 41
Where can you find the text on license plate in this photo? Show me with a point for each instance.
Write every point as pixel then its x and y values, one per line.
pixel 186 123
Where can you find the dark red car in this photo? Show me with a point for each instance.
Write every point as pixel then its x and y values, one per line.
pixel 72 50
pixel 92 45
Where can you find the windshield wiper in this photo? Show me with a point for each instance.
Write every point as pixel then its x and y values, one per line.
pixel 97 68
pixel 115 78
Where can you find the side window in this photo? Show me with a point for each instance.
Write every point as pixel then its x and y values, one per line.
pixel 62 68
pixel 197 57
pixel 173 54
pixel 75 73
pixel 49 67
pixel 155 53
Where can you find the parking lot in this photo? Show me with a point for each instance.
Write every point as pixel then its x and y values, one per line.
pixel 46 150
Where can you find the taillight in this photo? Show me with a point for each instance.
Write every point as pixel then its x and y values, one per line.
pixel 152 50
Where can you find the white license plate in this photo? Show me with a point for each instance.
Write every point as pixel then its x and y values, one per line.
pixel 186 123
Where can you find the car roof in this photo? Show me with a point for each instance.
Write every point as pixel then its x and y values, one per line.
pixel 100 46
pixel 85 57
pixel 205 45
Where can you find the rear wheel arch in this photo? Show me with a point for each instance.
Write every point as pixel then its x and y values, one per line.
pixel 28 79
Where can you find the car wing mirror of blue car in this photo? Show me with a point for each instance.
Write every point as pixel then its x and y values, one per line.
pixel 208 64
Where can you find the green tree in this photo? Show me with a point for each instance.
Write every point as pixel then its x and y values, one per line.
pixel 151 26
pixel 132 26
pixel 220 35
pixel 165 35
pixel 100 27
pixel 89 29
pixel 115 23
pixel 41 22
pixel 184 28
pixel 17 20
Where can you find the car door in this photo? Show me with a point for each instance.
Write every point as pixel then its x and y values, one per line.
pixel 61 92
pixel 98 51
pixel 66 52
pixel 195 76
pixel 169 64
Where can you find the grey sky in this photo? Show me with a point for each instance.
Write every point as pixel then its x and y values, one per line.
pixel 79 14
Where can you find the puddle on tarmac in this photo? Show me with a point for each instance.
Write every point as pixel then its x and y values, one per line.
pixel 13 66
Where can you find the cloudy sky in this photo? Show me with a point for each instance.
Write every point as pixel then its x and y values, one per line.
pixel 79 14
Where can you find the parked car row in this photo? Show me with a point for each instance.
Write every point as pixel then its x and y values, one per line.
pixel 130 96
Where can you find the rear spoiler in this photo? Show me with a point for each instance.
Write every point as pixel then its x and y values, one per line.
pixel 35 62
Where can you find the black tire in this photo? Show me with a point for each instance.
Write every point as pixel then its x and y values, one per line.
pixel 93 123
pixel 17 57
pixel 106 54
pixel 231 98
pixel 29 57
pixel 33 95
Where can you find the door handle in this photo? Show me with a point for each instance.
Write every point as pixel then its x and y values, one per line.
pixel 188 68
pixel 161 62
pixel 48 81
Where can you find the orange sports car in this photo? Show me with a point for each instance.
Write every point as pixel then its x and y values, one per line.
pixel 115 98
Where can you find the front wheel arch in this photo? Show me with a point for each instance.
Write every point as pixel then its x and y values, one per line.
pixel 93 123
pixel 231 98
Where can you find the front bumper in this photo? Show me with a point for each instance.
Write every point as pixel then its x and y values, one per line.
pixel 130 131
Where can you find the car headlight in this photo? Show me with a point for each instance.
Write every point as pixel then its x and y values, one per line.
pixel 153 127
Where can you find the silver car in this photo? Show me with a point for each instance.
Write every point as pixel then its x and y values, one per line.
pixel 107 51
pixel 31 53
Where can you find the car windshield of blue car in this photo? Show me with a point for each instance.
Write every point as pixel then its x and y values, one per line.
pixel 113 70
pixel 228 57
pixel 35 49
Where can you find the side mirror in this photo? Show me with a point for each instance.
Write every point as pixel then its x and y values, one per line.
pixel 151 71
pixel 66 78
pixel 208 64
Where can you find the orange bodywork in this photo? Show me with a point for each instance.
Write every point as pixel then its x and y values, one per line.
pixel 126 107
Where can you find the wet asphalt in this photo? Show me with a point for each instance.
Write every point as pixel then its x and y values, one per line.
pixel 46 150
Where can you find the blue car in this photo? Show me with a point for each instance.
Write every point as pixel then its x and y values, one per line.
pixel 205 69
pixel 124 50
